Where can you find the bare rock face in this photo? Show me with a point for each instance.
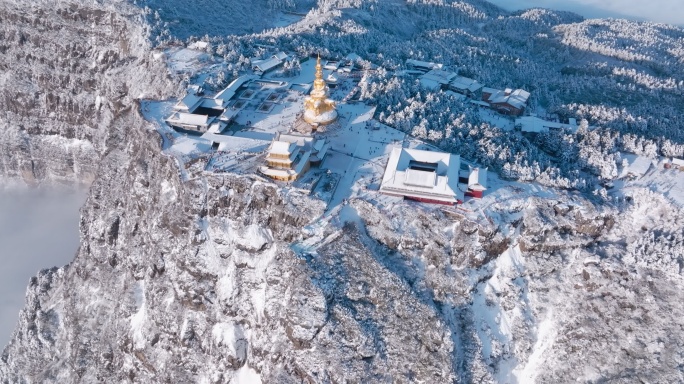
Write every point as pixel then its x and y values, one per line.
pixel 202 283
pixel 224 277
pixel 70 70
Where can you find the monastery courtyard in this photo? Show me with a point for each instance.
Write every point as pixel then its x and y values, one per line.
pixel 358 145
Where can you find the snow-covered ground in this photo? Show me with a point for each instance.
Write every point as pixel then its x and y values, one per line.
pixel 496 119
pixel 515 328
pixel 187 60
pixel 641 173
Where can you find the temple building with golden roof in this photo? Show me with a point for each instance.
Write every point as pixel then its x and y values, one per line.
pixel 318 108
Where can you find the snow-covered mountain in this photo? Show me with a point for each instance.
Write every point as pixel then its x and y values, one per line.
pixel 230 279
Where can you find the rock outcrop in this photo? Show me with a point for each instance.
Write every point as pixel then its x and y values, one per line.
pixel 69 71
pixel 223 278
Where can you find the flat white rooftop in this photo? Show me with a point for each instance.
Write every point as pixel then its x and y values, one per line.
pixel 422 174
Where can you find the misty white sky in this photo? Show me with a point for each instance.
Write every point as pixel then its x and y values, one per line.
pixel 38 229
pixel 663 11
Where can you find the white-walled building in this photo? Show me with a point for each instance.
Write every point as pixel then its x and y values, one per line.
pixel 191 122
pixel 437 79
pixel 425 176
pixel 464 85
pixel 423 66
pixel 536 125
pixel 476 181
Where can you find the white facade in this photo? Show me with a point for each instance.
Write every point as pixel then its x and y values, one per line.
pixel 422 65
pixel 423 175
pixel 465 85
pixel 537 125
pixel 436 78
pixel 191 122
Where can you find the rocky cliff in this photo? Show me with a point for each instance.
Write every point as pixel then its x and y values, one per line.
pixel 196 281
pixel 231 279
pixel 69 71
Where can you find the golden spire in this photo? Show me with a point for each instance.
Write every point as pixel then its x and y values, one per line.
pixel 318 108
pixel 319 84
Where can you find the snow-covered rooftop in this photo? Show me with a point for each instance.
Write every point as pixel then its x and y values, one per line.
pixel 189 103
pixel 422 64
pixel 422 174
pixel 465 84
pixel 517 98
pixel 266 65
pixel 230 90
pixel 459 96
pixel 535 124
pixel 241 144
pixel 213 103
pixel 430 84
pixel 183 118
pixel 280 56
pixel 439 76
pixel 477 180
pixel 282 148
pixel 638 166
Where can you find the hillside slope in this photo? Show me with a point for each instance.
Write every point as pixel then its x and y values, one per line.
pixel 232 279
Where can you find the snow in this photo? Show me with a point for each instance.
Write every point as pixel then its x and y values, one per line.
pixel 422 64
pixel 226 285
pixel 224 335
pixel 430 84
pixel 285 19
pixel 227 93
pixel 359 149
pixel 323 118
pixel 439 76
pixel 546 336
pixel 266 65
pixel 458 96
pixel 238 144
pixel 189 119
pixel 190 146
pixel 495 119
pixel 637 166
pixel 168 192
pixel 186 60
pixel 535 124
pixel 282 148
pixel 189 103
pixel 254 237
pixel 198 45
pixel 138 319
pixel 465 84
pixel 399 179
pixel 667 182
pixel 70 145
pixel 242 255
pixel 247 375
pixel 495 323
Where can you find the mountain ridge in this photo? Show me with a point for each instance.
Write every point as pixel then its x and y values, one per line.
pixel 224 277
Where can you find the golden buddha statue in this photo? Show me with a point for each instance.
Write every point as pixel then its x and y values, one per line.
pixel 318 108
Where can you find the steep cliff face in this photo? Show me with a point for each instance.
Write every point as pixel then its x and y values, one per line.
pixel 224 278
pixel 69 70
pixel 196 281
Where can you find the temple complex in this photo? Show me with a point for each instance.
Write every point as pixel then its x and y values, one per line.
pixel 290 155
pixel 318 108
pixel 285 161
